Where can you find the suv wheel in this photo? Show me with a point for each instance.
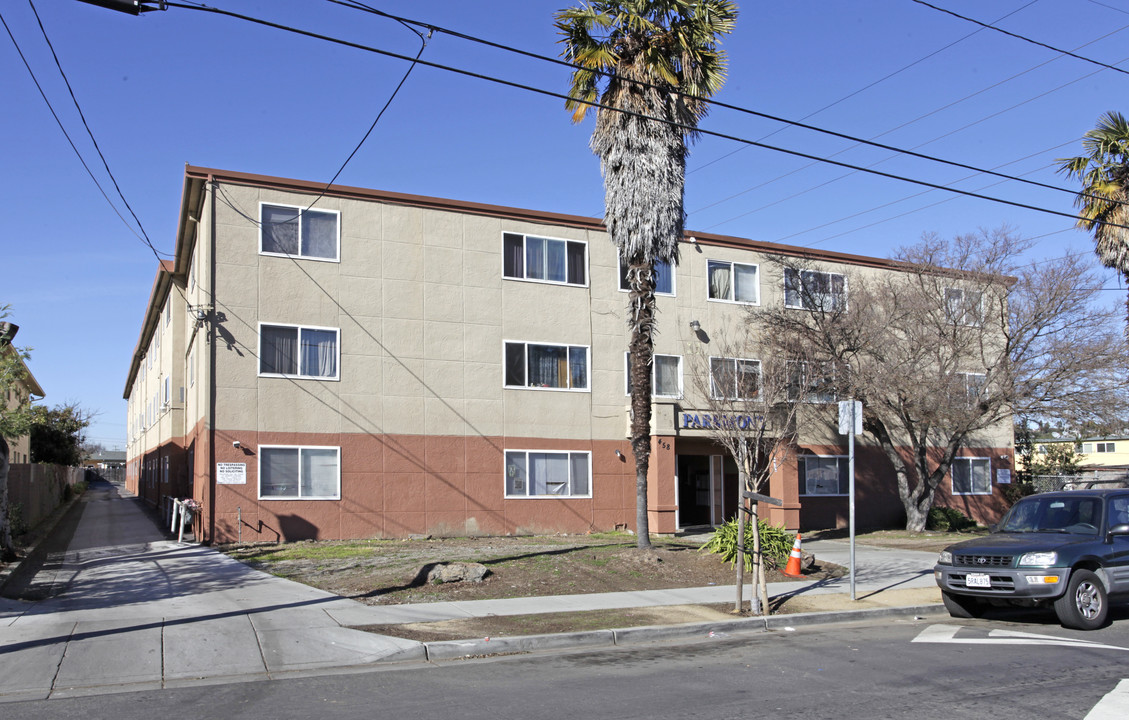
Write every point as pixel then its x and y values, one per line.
pixel 1084 606
pixel 962 606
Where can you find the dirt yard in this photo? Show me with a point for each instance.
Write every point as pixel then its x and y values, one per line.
pixel 382 572
pixel 388 572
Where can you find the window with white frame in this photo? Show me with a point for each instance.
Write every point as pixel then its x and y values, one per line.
pixel 972 476
pixel 294 231
pixel 733 281
pixel 824 475
pixel 815 290
pixel 664 277
pixel 546 473
pixel 1104 447
pixel 666 375
pixel 964 307
pixel 543 366
pixel 812 381
pixel 528 257
pixel 299 472
pixel 168 390
pixel 734 378
pixel 296 351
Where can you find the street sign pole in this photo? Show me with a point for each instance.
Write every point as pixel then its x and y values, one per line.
pixel 851 465
pixel 850 422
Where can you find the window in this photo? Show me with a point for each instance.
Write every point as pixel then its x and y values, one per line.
pixel 814 290
pixel 813 382
pixel 666 375
pixel 974 384
pixel 1104 447
pixel 964 307
pixel 560 367
pixel 734 282
pixel 168 389
pixel 734 379
pixel 531 473
pixel 824 475
pixel 972 476
pixel 298 232
pixel 664 277
pixel 526 257
pixel 293 351
pixel 304 473
pixel 168 311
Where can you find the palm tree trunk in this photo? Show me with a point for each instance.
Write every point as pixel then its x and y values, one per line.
pixel 642 309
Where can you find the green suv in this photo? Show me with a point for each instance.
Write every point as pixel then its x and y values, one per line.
pixel 1066 549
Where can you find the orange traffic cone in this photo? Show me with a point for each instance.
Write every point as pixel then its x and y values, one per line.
pixel 792 569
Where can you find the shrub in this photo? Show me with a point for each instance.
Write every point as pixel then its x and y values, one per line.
pixel 776 544
pixel 948 519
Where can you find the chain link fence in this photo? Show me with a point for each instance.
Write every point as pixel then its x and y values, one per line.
pixel 1081 481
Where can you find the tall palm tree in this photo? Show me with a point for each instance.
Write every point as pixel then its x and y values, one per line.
pixel 1103 201
pixel 650 65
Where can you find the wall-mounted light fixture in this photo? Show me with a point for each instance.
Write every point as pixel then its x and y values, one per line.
pixel 695 325
pixel 618 454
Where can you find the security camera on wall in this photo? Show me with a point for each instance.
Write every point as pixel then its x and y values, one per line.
pixel 235 443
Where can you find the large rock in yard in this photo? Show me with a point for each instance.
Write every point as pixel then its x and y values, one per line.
pixel 457 572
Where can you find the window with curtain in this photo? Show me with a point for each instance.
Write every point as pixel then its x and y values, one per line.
pixel 299 232
pixel 534 365
pixel 814 290
pixel 528 257
pixel 734 378
pixel 733 282
pixel 296 351
pixel 531 473
pixel 664 278
pixel 972 476
pixel 666 375
pixel 305 473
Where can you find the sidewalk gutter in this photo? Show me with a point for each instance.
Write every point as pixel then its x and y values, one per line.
pixel 635 636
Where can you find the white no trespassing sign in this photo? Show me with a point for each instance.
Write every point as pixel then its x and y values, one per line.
pixel 231 473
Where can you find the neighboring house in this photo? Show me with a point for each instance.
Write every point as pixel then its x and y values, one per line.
pixel 105 459
pixel 28 389
pixel 384 365
pixel 1094 453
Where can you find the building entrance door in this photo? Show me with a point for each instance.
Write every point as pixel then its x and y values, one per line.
pixel 694 491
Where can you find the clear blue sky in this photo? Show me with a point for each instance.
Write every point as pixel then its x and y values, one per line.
pixel 182 86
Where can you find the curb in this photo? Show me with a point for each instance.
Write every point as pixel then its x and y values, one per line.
pixel 634 636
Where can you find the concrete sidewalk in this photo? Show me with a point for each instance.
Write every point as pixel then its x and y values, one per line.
pixel 132 610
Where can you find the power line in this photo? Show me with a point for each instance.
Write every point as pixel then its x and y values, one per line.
pixel 921 117
pixel 866 87
pixel 716 103
pixel 688 128
pixel 89 132
pixel 1021 37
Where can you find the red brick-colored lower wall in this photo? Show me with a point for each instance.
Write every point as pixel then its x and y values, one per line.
pixel 398 486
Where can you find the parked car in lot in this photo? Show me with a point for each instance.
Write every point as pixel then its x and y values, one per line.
pixel 1065 549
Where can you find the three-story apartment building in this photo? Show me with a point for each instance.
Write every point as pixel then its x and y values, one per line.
pixel 344 362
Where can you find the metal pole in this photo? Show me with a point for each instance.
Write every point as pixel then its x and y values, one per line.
pixel 851 465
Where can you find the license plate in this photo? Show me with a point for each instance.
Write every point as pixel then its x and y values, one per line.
pixel 979 580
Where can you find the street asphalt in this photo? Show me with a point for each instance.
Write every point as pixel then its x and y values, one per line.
pixel 120 608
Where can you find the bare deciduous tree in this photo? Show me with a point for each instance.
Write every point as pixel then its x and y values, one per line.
pixel 946 351
pixel 749 409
